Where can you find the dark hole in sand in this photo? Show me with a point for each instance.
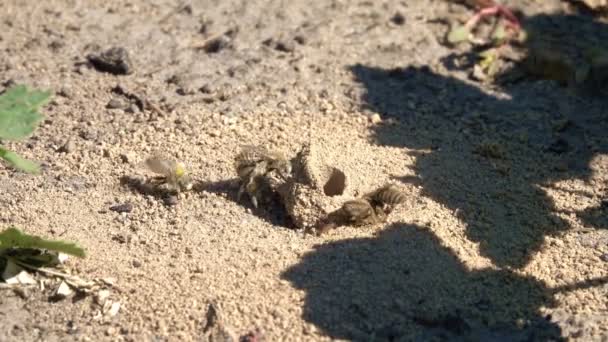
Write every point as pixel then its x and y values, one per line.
pixel 336 183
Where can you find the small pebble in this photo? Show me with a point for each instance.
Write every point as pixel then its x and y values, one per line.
pixel 398 19
pixel 114 60
pixel 375 118
pixel 101 297
pixel 115 104
pixel 285 46
pixel 122 208
pixel 604 257
pixel 216 45
pixel 66 92
pixel 300 39
pixel 67 147
pixel 171 200
pixel 136 263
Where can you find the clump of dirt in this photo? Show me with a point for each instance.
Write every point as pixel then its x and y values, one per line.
pixel 324 177
pixel 316 185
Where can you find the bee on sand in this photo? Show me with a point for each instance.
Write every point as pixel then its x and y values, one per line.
pixel 370 209
pixel 253 164
pixel 172 173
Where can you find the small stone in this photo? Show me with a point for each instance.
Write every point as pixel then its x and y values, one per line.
pixel 171 200
pixel 115 104
pixel 207 89
pixel 478 73
pixel 300 39
pixel 398 19
pixel 63 290
pixel 126 157
pixel 88 134
pixel 285 46
pixel 229 120
pixel 66 92
pixel 67 147
pixel 216 45
pixel 136 263
pixel 114 308
pixel 111 331
pixel 132 108
pixel 122 208
pixel 375 119
pixel 101 297
pixel 62 258
pixel 215 133
pixel 114 60
pixel 604 257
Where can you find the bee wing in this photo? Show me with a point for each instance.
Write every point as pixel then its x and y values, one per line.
pixel 253 150
pixel 161 165
pixel 250 155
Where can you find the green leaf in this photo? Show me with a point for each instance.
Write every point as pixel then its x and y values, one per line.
pixel 18 161
pixel 18 111
pixel 458 34
pixel 14 238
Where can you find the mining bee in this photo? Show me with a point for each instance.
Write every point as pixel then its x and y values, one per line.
pixel 372 208
pixel 172 173
pixel 387 196
pixel 253 164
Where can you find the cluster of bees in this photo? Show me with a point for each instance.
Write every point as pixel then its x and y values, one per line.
pixel 254 164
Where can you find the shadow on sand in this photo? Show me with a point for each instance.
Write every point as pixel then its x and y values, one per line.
pixel 489 154
pixel 404 285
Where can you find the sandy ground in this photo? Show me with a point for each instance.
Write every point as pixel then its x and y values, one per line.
pixel 511 248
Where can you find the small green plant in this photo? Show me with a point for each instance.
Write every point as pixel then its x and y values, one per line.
pixel 13 238
pixel 20 251
pixel 19 118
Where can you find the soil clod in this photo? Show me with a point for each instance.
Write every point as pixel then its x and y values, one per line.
pixel 114 60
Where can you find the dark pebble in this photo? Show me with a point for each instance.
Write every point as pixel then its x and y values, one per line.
pixel 300 39
pixel 122 208
pixel 114 60
pixel 67 147
pixel 136 263
pixel 398 19
pixel 285 46
pixel 216 45
pixel 207 89
pixel 604 257
pixel 115 104
pixel 66 92
pixel 171 200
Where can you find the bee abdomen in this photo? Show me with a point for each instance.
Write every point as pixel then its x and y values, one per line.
pixel 390 196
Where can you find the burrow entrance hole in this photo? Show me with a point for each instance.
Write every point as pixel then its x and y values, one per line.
pixel 336 183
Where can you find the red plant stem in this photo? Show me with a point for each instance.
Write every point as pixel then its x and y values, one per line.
pixel 512 20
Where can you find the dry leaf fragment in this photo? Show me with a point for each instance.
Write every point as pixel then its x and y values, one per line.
pixel 63 290
pixel 14 274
